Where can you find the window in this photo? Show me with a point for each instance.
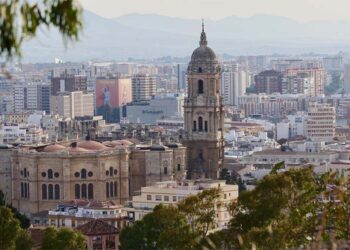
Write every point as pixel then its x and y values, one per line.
pixel 43 174
pixel 22 189
pixel 57 192
pixel 165 170
pixel 25 172
pixel 111 171
pixel 107 189
pixel 158 197
pixel 225 196
pixel 166 198
pixel 50 192
pixel 49 174
pixel 174 198
pixel 57 175
pixel 28 192
pixel 83 173
pixel 194 125
pixel 44 192
pixel 115 189
pixel 200 70
pixel 149 197
pixel 107 172
pixel 90 191
pixel 178 167
pixel 77 191
pixel 200 87
pixel 200 123
pixel 83 191
pixel 111 193
pixel 115 172
pixel 90 174
pixel 76 174
pixel 206 126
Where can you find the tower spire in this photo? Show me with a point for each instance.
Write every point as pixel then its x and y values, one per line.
pixel 203 41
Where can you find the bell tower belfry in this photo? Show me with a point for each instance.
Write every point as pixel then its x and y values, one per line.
pixel 203 113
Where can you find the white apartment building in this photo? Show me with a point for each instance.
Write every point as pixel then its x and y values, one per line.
pixel 170 192
pixel 23 134
pixel 143 87
pixel 233 85
pixel 73 104
pixel 79 212
pixel 320 123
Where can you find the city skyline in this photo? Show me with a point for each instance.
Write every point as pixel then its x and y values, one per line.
pixel 299 10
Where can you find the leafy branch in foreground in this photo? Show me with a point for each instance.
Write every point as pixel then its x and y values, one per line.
pixel 20 20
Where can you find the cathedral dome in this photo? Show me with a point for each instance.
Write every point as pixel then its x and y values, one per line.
pixel 203 58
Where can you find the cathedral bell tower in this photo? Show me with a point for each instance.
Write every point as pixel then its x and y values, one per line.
pixel 203 114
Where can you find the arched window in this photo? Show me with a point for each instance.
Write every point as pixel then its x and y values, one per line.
pixel 200 70
pixel 44 191
pixel 83 173
pixel 206 126
pixel 200 123
pixel 50 192
pixel 111 189
pixel 165 170
pixel 22 189
pixel 107 189
pixel 116 189
pixel 200 87
pixel 25 190
pixel 25 172
pixel 83 191
pixel 91 191
pixel 178 167
pixel 194 125
pixel 77 191
pixel 110 171
pixel 57 192
pixel 49 174
pixel 28 192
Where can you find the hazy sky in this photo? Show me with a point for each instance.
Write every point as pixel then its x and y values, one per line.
pixel 302 10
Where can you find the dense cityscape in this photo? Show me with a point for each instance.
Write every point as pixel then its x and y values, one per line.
pixel 204 151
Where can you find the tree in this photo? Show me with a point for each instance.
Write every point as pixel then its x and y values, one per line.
pixel 63 239
pixel 164 228
pixel 281 212
pixel 11 234
pixel 20 20
pixel 199 211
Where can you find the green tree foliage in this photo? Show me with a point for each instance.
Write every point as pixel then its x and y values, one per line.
pixel 199 211
pixel 164 228
pixel 20 20
pixel 182 227
pixel 63 239
pixel 12 236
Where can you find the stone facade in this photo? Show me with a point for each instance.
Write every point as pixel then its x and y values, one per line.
pixel 37 179
pixel 203 114
pixel 87 170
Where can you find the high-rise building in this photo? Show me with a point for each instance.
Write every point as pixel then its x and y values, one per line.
pixel 347 79
pixel 204 114
pixel 268 81
pixel 73 104
pixel 31 96
pixel 111 95
pixel 181 77
pixel 233 85
pixel 143 87
pixel 317 73
pixel 68 83
pixel 320 122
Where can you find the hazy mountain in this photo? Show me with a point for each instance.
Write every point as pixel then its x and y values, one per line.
pixel 151 36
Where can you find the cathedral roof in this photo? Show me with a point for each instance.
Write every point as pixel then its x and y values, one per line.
pixel 203 57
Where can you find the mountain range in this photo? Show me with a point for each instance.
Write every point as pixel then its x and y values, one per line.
pixel 152 36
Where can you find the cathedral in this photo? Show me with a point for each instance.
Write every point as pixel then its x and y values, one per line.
pixel 204 114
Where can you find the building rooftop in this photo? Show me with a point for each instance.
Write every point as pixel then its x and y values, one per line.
pixel 97 227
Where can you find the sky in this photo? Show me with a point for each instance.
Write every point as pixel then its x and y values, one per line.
pixel 300 10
